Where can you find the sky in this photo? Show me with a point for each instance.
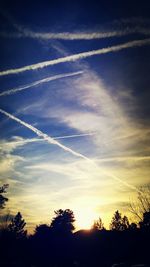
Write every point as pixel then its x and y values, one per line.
pixel 74 107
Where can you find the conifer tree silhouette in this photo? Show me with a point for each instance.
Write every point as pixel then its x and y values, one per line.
pixel 17 226
pixel 118 222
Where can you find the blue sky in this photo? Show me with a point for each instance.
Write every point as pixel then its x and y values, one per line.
pixel 97 106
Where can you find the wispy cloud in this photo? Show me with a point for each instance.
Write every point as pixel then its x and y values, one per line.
pixel 72 58
pixel 117 134
pixel 52 141
pixel 116 130
pixel 8 163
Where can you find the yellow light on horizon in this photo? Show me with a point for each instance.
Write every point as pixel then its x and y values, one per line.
pixel 85 218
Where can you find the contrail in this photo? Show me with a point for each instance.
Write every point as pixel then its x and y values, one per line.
pixel 67 36
pixel 62 137
pixel 73 136
pixel 27 33
pixel 51 140
pixel 39 133
pixel 45 80
pixel 32 140
pixel 135 43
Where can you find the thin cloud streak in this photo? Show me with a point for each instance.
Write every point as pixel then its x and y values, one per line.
pixel 73 136
pixel 50 140
pixel 36 83
pixel 71 58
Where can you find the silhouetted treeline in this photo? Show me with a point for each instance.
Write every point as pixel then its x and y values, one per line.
pixel 58 245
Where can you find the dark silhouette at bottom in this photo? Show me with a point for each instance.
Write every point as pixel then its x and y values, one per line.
pixel 56 245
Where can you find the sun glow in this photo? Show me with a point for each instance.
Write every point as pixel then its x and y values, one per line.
pixel 85 218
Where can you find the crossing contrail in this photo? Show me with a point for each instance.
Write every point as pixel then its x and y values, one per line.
pixel 74 57
pixel 51 140
pixel 45 80
pixel 46 137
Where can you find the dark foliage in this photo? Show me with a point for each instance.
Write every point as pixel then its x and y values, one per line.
pixel 85 248
pixel 98 225
pixel 3 199
pixel 119 223
pixel 145 223
pixel 63 221
pixel 16 227
pixel 56 245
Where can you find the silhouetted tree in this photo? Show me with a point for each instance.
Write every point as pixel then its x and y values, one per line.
pixel 98 225
pixel 118 222
pixel 133 226
pixel 42 230
pixel 145 223
pixel 3 199
pixel 142 204
pixel 17 226
pixel 63 221
pixel 125 223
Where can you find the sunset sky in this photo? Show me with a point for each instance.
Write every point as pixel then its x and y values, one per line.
pixel 74 107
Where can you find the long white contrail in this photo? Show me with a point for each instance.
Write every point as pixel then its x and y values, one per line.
pixel 135 43
pixel 84 36
pixel 68 36
pixel 51 140
pixel 45 80
pixel 25 32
